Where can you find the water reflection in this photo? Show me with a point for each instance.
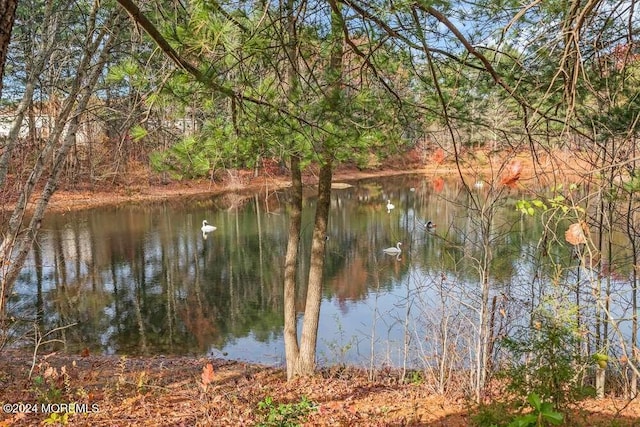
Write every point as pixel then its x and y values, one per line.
pixel 143 280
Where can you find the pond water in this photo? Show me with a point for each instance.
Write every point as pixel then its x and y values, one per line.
pixel 141 279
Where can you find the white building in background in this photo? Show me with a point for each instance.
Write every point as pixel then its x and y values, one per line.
pixel 44 124
pixel 92 128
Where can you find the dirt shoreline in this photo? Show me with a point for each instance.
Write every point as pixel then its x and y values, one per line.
pixel 546 168
pixel 68 200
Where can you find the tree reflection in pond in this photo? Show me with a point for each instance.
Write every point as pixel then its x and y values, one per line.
pixel 142 280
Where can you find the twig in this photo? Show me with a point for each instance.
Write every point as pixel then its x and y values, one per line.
pixel 38 341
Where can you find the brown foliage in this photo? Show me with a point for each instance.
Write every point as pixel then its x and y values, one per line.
pixel 207 376
pixel 162 391
pixel 577 233
pixel 512 174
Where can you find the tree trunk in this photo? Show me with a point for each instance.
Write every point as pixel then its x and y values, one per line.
pixel 290 332
pixel 307 358
pixel 631 233
pixel 7 17
pixel 290 269
pixel 484 338
pixel 306 362
pixel 39 55
pixel 600 379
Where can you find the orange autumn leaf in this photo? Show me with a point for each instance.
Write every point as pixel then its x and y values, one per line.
pixel 512 175
pixel 575 234
pixel 207 375
pixel 438 184
pixel 510 181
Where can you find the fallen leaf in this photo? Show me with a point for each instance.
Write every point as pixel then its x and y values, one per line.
pixel 50 372
pixel 207 375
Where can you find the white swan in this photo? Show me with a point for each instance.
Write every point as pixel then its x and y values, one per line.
pixel 389 206
pixel 206 228
pixel 393 250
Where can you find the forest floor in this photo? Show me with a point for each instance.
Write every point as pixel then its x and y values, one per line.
pixel 190 391
pixel 98 390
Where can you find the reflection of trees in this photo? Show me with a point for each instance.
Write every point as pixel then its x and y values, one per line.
pixel 150 283
pixel 143 279
pixel 232 271
pixel 350 283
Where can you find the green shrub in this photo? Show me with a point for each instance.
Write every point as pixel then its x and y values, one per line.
pixel 501 414
pixel 545 360
pixel 495 414
pixel 542 414
pixel 285 414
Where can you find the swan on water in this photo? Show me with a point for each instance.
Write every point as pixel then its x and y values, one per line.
pixel 389 206
pixel 393 250
pixel 206 228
